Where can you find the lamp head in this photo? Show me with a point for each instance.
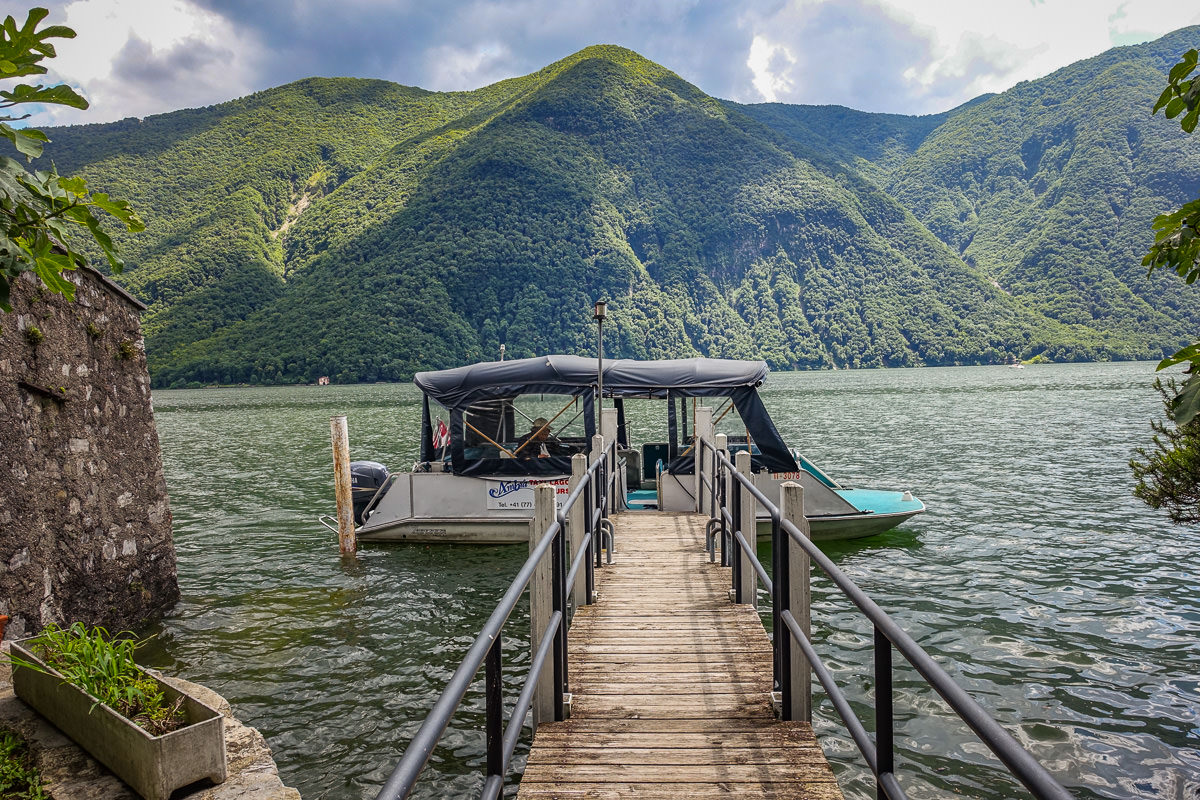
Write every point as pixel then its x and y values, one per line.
pixel 599 311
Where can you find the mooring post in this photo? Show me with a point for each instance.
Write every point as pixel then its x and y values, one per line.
pixel 541 603
pixel 608 429
pixel 578 529
pixel 601 474
pixel 704 425
pixel 747 578
pixel 798 601
pixel 722 445
pixel 340 436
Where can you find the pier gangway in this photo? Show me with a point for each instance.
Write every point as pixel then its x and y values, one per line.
pixel 653 676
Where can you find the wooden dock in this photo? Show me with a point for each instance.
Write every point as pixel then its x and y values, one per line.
pixel 671 685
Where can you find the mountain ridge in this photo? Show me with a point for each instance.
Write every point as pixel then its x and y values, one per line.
pixel 366 230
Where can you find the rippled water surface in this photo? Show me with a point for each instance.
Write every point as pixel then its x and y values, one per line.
pixel 1065 607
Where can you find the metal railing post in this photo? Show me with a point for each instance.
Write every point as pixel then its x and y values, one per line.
pixel 884 734
pixel 580 595
pixel 746 583
pixel 797 701
pixel 598 489
pixel 493 687
pixel 541 605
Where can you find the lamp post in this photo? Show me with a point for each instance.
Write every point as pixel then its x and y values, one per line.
pixel 598 315
pixel 501 352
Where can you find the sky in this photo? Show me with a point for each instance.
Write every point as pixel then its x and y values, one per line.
pixel 133 58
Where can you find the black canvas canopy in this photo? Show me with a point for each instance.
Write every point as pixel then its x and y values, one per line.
pixel 459 388
pixel 623 377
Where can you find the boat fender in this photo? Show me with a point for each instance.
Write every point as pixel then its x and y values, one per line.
pixel 907 497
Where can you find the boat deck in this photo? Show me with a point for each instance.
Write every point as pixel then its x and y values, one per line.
pixel 671 685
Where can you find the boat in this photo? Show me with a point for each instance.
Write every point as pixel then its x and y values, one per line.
pixel 503 427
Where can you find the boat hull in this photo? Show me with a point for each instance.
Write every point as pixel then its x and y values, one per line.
pixel 839 528
pixel 451 531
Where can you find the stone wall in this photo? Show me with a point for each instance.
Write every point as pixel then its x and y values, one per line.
pixel 85 527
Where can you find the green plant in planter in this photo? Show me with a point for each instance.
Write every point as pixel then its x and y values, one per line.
pixel 103 666
pixel 19 778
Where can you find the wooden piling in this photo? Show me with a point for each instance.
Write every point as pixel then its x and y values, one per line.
pixel 749 527
pixel 608 429
pixel 340 437
pixel 577 527
pixel 541 602
pixel 704 433
pixel 791 506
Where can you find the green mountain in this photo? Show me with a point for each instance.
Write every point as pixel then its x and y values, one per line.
pixel 365 230
pixel 1049 189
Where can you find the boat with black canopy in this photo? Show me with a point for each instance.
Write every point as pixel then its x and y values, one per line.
pixel 503 427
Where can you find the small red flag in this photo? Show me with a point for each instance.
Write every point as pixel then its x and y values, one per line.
pixel 441 436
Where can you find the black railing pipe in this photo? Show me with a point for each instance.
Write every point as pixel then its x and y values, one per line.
pixel 840 704
pixel 888 634
pixel 486 649
pixel 759 569
pixel 525 699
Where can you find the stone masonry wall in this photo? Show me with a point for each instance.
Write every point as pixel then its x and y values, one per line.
pixel 85 527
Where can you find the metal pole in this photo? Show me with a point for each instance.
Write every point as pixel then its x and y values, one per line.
pixel 886 763
pixel 494 722
pixel 599 372
pixel 340 437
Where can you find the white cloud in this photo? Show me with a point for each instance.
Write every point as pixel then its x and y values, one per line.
pixel 772 67
pixel 457 68
pixel 140 57
pixel 964 49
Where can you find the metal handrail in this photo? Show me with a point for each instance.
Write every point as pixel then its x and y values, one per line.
pixel 594 489
pixel 879 754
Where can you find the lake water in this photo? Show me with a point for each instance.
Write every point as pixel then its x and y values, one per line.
pixel 1062 604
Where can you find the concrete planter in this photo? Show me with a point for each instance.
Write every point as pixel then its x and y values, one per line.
pixel 153 766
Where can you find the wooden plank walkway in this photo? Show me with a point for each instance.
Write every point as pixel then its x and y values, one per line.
pixel 671 686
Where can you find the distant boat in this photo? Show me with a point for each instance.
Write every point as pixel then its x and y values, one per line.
pixel 474 482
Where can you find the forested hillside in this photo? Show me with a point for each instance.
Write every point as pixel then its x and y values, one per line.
pixel 1049 189
pixel 366 230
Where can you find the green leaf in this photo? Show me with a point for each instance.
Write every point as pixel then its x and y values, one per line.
pixel 49 268
pixel 121 210
pixel 61 94
pixel 76 185
pixel 1163 99
pixel 1183 68
pixel 29 141
pixel 1189 122
pixel 1189 353
pixel 1174 107
pixel 1186 404
pixel 56 31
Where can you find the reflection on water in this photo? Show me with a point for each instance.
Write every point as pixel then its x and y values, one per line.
pixel 1062 604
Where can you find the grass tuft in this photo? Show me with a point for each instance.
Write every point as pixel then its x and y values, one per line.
pixel 103 666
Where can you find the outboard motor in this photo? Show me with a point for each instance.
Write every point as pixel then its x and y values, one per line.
pixel 366 478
